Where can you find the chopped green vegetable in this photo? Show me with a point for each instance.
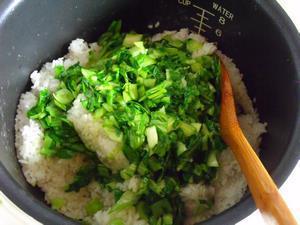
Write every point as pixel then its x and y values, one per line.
pixel 63 96
pixel 154 164
pixel 152 137
pixel 39 110
pixel 130 92
pixel 138 49
pixel 59 70
pixel 187 129
pixel 116 221
pixel 143 210
pixel 93 206
pixel 127 199
pixel 60 138
pixel 181 148
pixel 149 83
pixel 83 177
pixel 89 74
pixel 130 39
pixel 173 42
pixel 161 208
pixel 117 193
pixel 57 203
pixel 193 45
pixel 167 219
pixel 142 169
pixel 204 205
pixel 128 172
pixel 212 159
pixel 197 126
pixel 160 105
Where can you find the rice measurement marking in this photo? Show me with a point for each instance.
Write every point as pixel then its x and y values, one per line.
pixel 199 21
pixel 202 18
pixel 203 10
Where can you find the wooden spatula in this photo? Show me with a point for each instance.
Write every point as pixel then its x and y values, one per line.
pixel 264 191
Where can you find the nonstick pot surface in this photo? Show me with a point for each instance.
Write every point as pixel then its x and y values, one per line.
pixel 256 34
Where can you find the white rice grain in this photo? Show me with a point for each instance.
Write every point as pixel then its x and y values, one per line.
pixel 94 137
pixel 129 216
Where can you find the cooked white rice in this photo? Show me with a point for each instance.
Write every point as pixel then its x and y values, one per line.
pixel 93 136
pixel 52 175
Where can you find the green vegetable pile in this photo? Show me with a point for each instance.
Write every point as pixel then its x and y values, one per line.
pixel 154 98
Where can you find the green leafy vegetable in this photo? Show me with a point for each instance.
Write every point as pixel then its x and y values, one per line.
pixel 60 138
pixel 93 206
pixel 39 110
pixel 181 148
pixel 161 208
pixel 83 177
pixel 127 199
pixel 128 172
pixel 57 203
pixel 152 137
pixel 193 45
pixel 167 219
pixel 204 205
pixel 63 96
pixel 160 104
pixel 130 39
pixel 116 221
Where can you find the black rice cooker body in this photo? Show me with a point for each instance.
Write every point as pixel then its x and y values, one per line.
pixel 258 35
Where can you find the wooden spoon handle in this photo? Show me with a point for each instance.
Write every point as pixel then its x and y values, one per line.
pixel 261 185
